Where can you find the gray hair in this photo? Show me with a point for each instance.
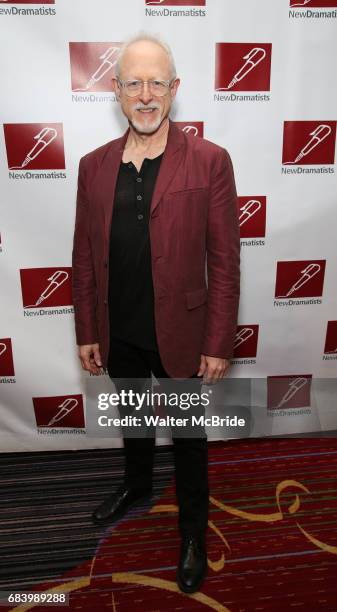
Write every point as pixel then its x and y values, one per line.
pixel 146 36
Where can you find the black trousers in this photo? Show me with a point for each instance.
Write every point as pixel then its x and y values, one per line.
pixel 128 367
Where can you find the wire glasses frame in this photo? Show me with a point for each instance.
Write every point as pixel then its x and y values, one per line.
pixel 134 87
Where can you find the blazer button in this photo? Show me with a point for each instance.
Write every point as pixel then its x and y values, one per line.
pixel 105 302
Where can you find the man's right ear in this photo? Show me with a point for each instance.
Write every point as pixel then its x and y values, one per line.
pixel 115 87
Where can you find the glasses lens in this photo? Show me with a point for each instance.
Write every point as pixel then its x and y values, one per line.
pixel 133 88
pixel 157 88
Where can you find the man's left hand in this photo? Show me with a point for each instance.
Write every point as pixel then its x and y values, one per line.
pixel 212 368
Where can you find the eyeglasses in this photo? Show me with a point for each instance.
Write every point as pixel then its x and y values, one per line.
pixel 157 88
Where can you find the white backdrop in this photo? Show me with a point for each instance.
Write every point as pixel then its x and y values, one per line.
pixel 282 101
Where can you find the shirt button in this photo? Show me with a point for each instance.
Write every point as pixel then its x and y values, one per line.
pixel 139 180
pixel 140 217
pixel 139 197
pixel 130 165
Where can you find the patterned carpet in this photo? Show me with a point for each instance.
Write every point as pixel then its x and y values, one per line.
pixel 272 538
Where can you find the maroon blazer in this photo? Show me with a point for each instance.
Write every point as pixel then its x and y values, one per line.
pixel 193 214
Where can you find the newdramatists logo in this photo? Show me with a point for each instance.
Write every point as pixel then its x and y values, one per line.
pixel 177 2
pixel 46 291
pixel 163 8
pixel 252 219
pixel 300 9
pixel 289 392
pixel 92 68
pixel 34 146
pixel 28 1
pixel 63 413
pixel 245 344
pixel 330 347
pixel 6 361
pixel 195 128
pixel 242 67
pixel 296 280
pixel 308 143
pixel 7 9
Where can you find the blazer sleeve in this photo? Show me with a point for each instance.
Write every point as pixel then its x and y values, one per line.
pixel 223 261
pixel 83 276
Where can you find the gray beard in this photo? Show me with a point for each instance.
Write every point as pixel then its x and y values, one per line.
pixel 152 127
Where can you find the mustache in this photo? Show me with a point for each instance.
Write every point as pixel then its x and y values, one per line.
pixel 140 106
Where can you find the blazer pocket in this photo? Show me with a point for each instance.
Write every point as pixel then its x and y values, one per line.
pixel 187 191
pixel 195 298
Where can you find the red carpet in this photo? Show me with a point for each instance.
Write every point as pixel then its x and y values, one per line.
pixel 272 541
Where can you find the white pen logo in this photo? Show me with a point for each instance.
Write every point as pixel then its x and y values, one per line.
pixel 303 3
pixel 294 386
pixel 156 2
pixel 247 211
pixel 3 348
pixel 320 133
pixel 190 128
pixel 55 281
pixel 253 58
pixel 63 410
pixel 306 274
pixel 242 336
pixel 44 138
pixel 106 64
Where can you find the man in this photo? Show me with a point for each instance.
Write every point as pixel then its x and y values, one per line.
pixel 152 207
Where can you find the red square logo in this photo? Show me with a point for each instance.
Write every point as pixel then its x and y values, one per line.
pixel 309 142
pixel 242 66
pixel 312 3
pixel 295 279
pixel 59 411
pixel 46 287
pixel 6 357
pixel 93 65
pixel 331 338
pixel 288 391
pixel 246 338
pixel 252 216
pixel 34 146
pixel 176 2
pixel 28 1
pixel 196 128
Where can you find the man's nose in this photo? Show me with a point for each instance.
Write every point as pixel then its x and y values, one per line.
pixel 145 94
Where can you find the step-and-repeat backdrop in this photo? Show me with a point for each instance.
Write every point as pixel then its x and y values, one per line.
pixel 258 77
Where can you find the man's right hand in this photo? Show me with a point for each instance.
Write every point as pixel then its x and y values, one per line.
pixel 90 358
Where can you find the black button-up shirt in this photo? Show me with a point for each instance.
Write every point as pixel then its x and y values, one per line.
pixel 131 296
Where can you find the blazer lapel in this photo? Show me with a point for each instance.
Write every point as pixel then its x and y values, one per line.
pixel 169 164
pixel 109 172
pixel 168 168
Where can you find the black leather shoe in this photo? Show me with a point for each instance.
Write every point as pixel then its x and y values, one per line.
pixel 192 566
pixel 117 504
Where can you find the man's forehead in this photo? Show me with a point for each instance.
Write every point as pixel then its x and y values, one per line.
pixel 143 71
